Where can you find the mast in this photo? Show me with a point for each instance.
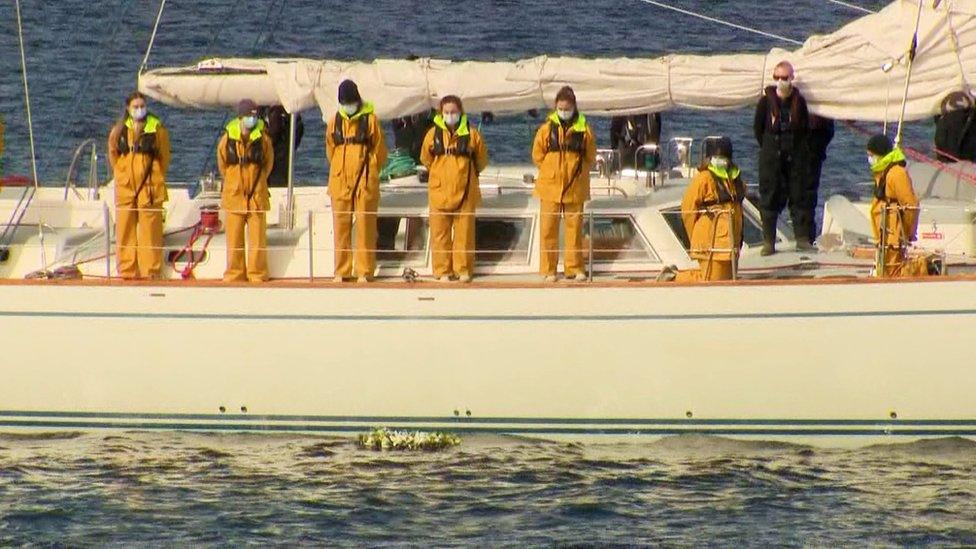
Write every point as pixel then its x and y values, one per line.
pixel 912 50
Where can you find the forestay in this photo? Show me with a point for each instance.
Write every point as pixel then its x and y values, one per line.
pixel 857 72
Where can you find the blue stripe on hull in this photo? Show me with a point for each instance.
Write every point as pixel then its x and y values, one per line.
pixel 487 318
pixel 460 422
pixel 516 426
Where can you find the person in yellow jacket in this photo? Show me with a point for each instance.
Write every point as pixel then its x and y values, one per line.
pixel 245 157
pixel 356 150
pixel 712 213
pixel 139 152
pixel 454 154
pixel 893 191
pixel 564 150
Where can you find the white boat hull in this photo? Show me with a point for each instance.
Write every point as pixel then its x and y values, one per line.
pixel 850 360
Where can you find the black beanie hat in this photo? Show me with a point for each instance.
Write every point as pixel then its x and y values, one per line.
pixel 879 145
pixel 721 146
pixel 349 92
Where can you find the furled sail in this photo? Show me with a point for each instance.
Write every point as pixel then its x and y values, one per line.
pixel 857 72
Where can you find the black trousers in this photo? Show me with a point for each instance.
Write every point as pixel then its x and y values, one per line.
pixel 786 179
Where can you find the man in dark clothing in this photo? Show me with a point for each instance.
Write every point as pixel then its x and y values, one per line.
pixel 628 133
pixel 279 124
pixel 955 129
pixel 782 130
pixel 821 134
pixel 409 132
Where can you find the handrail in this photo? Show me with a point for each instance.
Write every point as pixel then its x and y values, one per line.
pixel 92 170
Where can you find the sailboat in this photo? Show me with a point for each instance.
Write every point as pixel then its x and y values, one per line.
pixel 805 347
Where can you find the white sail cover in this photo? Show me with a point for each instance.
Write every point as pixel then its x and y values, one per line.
pixel 855 73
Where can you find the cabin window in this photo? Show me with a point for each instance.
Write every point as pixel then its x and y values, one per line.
pixel 502 240
pixel 616 239
pixel 751 229
pixel 401 240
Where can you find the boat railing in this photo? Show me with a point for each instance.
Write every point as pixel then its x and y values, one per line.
pixel 16 217
pixel 69 181
pixel 502 189
pixel 408 240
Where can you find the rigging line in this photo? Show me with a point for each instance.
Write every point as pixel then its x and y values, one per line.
pixel 252 52
pixel 851 6
pixel 92 76
pixel 152 37
pixel 721 22
pixel 23 70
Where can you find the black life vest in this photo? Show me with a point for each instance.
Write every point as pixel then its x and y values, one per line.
pixel 253 153
pixel 362 131
pixel 147 139
pixel 724 196
pixel 463 147
pixel 574 139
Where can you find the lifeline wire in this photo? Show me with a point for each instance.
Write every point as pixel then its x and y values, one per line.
pixel 152 37
pixel 851 6
pixel 721 22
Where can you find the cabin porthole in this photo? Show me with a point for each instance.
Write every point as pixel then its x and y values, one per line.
pixel 222 409
pixel 689 415
pixel 893 415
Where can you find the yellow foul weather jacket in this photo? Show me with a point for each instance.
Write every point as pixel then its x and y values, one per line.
pixel 893 187
pixel 357 152
pixel 712 205
pixel 140 165
pixel 564 155
pixel 454 161
pixel 245 168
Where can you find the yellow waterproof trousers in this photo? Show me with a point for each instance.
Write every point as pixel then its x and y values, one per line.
pixel 255 225
pixel 365 240
pixel 452 240
pixel 898 264
pixel 549 218
pixel 139 242
pixel 707 271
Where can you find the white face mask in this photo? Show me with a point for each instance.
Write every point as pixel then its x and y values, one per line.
pixel 565 116
pixel 720 162
pixel 138 113
pixel 452 119
pixel 872 160
pixel 249 122
pixel 784 87
pixel 350 108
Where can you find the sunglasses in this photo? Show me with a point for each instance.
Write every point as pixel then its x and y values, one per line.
pixel 781 78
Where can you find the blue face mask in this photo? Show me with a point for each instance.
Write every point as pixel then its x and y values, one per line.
pixel 565 116
pixel 350 108
pixel 249 121
pixel 138 113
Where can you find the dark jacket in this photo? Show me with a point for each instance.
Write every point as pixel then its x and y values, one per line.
pixel 627 133
pixel 955 135
pixel 279 124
